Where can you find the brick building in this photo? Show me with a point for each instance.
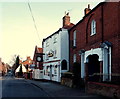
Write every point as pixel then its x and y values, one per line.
pixel 3 68
pixel 94 43
pixel 38 63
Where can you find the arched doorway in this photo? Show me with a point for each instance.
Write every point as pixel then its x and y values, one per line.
pixel 93 67
pixel 64 65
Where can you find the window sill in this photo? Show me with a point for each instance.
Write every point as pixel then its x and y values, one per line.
pixel 93 34
pixel 74 47
pixel 54 57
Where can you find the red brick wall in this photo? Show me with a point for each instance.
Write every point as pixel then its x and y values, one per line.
pixel 107 17
pixel 108 90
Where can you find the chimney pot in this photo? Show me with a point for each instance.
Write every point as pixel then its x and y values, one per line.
pixel 88 6
pixel 87 10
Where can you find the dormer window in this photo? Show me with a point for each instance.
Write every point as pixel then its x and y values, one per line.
pixel 93 27
pixel 74 38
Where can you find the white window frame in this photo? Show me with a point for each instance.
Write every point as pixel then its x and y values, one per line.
pixel 47 58
pixel 93 27
pixel 37 64
pixel 47 43
pixel 74 38
pixel 55 53
pixel 55 38
pixel 74 58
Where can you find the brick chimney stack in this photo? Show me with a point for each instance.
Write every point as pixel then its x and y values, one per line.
pixel 28 57
pixel 87 10
pixel 66 19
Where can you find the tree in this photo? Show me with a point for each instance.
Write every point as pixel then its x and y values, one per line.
pixel 16 64
pixel 13 60
pixel 20 73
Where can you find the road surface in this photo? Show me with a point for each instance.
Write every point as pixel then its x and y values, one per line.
pixel 19 88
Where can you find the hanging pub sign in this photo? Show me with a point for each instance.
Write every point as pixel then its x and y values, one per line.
pixel 50 53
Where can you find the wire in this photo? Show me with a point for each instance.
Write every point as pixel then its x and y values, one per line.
pixel 33 20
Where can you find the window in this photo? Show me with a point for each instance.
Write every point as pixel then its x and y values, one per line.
pixel 55 53
pixel 93 27
pixel 37 64
pixel 55 69
pixel 47 56
pixel 64 65
pixel 74 38
pixel 55 38
pixel 74 58
pixel 47 43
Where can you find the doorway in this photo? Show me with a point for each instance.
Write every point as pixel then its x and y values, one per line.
pixel 93 67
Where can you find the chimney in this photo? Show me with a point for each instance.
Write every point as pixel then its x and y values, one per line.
pixel 87 10
pixel 66 19
pixel 28 57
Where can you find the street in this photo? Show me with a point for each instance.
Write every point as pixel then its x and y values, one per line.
pixel 20 88
pixel 17 87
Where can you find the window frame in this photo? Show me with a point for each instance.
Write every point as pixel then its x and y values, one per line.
pixel 55 38
pixel 93 28
pixel 74 38
pixel 74 58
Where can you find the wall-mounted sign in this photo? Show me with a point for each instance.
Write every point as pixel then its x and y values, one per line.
pixel 50 53
pixel 39 58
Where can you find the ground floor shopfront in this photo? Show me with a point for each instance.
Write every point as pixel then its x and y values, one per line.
pixel 53 70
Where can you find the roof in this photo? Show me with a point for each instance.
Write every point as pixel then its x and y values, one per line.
pixel 28 61
pixel 39 50
pixel 65 27
pixel 101 3
pixel 52 34
pixel 69 26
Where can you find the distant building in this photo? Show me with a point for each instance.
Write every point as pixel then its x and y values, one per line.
pixel 38 63
pixel 27 63
pixel 24 70
pixel 3 68
pixel 56 50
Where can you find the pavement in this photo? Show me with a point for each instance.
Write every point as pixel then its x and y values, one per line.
pixel 57 90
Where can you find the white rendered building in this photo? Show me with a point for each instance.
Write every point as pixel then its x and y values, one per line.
pixel 56 50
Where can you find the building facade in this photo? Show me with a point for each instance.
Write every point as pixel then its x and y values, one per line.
pixel 37 72
pixel 56 50
pixel 94 43
pixel 3 68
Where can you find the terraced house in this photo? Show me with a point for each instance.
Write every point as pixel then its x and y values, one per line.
pixel 56 50
pixel 37 72
pixel 94 44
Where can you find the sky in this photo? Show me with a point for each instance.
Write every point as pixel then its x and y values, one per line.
pixel 18 35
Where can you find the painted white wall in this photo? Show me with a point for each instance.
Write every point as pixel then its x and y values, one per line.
pixel 105 56
pixel 65 47
pixel 82 66
pixel 97 51
pixel 62 52
pixel 37 74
